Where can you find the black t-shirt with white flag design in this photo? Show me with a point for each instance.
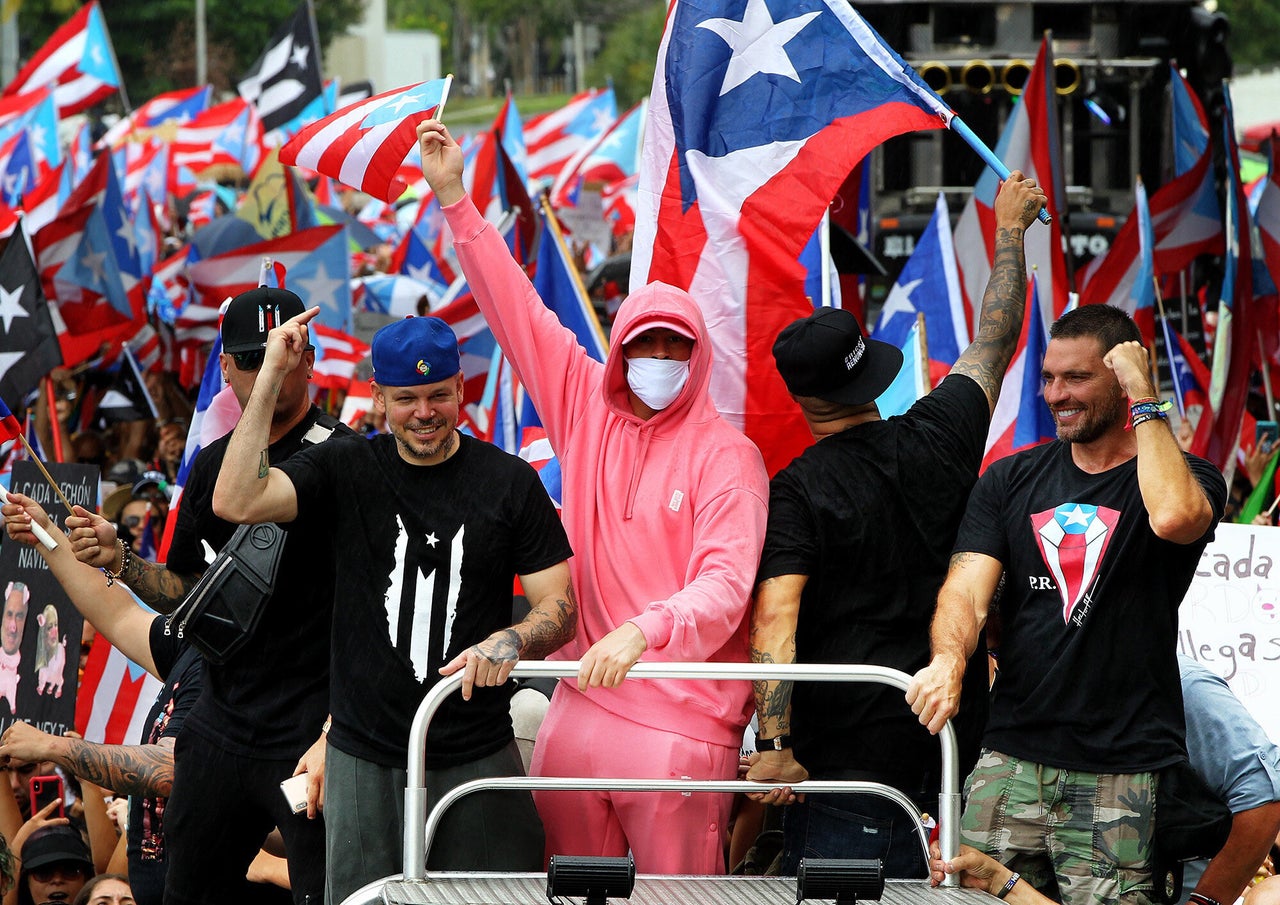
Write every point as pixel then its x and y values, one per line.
pixel 425 559
pixel 1088 674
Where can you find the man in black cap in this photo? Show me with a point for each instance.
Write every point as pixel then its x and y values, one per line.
pixel 428 529
pixel 860 527
pixel 261 716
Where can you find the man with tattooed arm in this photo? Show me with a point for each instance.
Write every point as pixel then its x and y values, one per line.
pixel 860 526
pixel 428 527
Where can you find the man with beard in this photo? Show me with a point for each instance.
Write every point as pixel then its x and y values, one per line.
pixel 428 529
pixel 1097 535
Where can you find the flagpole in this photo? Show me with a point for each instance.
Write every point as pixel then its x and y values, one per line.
pixel 1266 378
pixel 54 424
pixel 48 477
pixel 124 92
pixel 961 128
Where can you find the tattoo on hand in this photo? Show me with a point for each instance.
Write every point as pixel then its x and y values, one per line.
pixel 264 464
pixel 505 648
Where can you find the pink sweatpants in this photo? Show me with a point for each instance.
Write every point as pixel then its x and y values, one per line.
pixel 668 832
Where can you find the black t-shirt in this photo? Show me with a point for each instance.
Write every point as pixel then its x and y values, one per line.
pixel 869 516
pixel 271 697
pixel 1088 674
pixel 425 557
pixel 183 669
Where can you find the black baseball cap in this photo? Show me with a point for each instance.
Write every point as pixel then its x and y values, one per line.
pixel 252 315
pixel 826 355
pixel 55 845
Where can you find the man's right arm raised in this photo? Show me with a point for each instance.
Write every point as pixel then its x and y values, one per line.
pixel 934 692
pixel 249 490
pixel 1004 302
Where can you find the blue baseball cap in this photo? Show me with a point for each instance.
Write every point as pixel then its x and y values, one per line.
pixel 415 351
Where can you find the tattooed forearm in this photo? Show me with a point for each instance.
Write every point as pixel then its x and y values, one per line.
pixel 124 769
pixel 264 464
pixel 1003 306
pixel 773 698
pixel 550 625
pixel 156 586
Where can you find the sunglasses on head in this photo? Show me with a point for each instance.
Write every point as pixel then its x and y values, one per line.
pixel 249 361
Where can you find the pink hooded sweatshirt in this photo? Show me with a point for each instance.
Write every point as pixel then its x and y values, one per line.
pixel 666 516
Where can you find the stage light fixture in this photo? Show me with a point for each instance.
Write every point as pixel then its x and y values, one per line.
pixel 844 879
pixel 593 879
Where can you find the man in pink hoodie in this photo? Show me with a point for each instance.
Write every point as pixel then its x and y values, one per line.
pixel 665 506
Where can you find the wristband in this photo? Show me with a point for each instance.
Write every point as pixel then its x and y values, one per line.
pixel 777 743
pixel 1149 416
pixel 1202 899
pixel 1013 880
pixel 328 724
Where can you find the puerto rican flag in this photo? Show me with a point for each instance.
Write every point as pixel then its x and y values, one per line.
pixel 1029 143
pixel 228 133
pixel 1188 371
pixel 928 285
pixel 551 139
pixel 1021 418
pixel 1185 217
pixel 363 145
pixel 178 106
pixel 337 355
pixel 114 698
pixel 1073 539
pixel 759 111
pixel 612 158
pixel 77 61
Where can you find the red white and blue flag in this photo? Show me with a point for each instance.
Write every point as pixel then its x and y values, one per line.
pixel 1029 144
pixel 612 158
pixel 115 697
pixel 77 61
pixel 1073 539
pixel 757 115
pixel 551 139
pixel 10 429
pixel 928 285
pixel 1185 218
pixel 363 145
pixel 1021 418
pixel 1188 371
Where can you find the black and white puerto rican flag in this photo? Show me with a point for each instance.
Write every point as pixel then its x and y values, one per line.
pixel 287 76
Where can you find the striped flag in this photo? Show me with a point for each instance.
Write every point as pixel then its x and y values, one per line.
pixel 77 61
pixel 363 145
pixel 551 139
pixel 337 355
pixel 753 125
pixel 1021 419
pixel 114 698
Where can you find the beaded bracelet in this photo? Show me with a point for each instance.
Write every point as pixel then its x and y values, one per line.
pixel 126 554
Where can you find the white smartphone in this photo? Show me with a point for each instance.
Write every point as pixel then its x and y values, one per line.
pixel 295 792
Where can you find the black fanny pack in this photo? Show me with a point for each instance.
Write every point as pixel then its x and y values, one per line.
pixel 1191 820
pixel 223 609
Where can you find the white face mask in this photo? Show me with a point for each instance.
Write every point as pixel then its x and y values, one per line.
pixel 657 381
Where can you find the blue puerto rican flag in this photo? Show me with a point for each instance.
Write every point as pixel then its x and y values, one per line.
pixel 759 111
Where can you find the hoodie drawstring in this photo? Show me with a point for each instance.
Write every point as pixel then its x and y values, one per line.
pixel 637 464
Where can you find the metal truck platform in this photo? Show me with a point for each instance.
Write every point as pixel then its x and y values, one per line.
pixel 531 889
pixel 417 885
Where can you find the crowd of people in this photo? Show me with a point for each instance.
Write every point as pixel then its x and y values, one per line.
pixel 392 560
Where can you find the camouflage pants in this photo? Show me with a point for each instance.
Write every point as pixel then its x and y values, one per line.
pixel 1080 838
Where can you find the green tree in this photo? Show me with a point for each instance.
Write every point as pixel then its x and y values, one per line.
pixel 629 54
pixel 1255 32
pixel 154 40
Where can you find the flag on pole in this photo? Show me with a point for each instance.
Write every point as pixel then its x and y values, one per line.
pixel 1021 418
pixel 28 341
pixel 1216 438
pixel 1190 376
pixel 286 78
pixel 363 145
pixel 127 398
pixel 77 61
pixel 753 124
pixel 930 285
pixel 10 429
pixel 559 285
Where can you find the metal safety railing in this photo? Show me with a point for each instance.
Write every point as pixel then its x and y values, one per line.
pixel 420 826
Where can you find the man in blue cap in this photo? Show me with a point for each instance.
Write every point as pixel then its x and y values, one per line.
pixel 429 527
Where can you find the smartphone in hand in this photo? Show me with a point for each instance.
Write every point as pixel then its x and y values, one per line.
pixel 45 789
pixel 1266 435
